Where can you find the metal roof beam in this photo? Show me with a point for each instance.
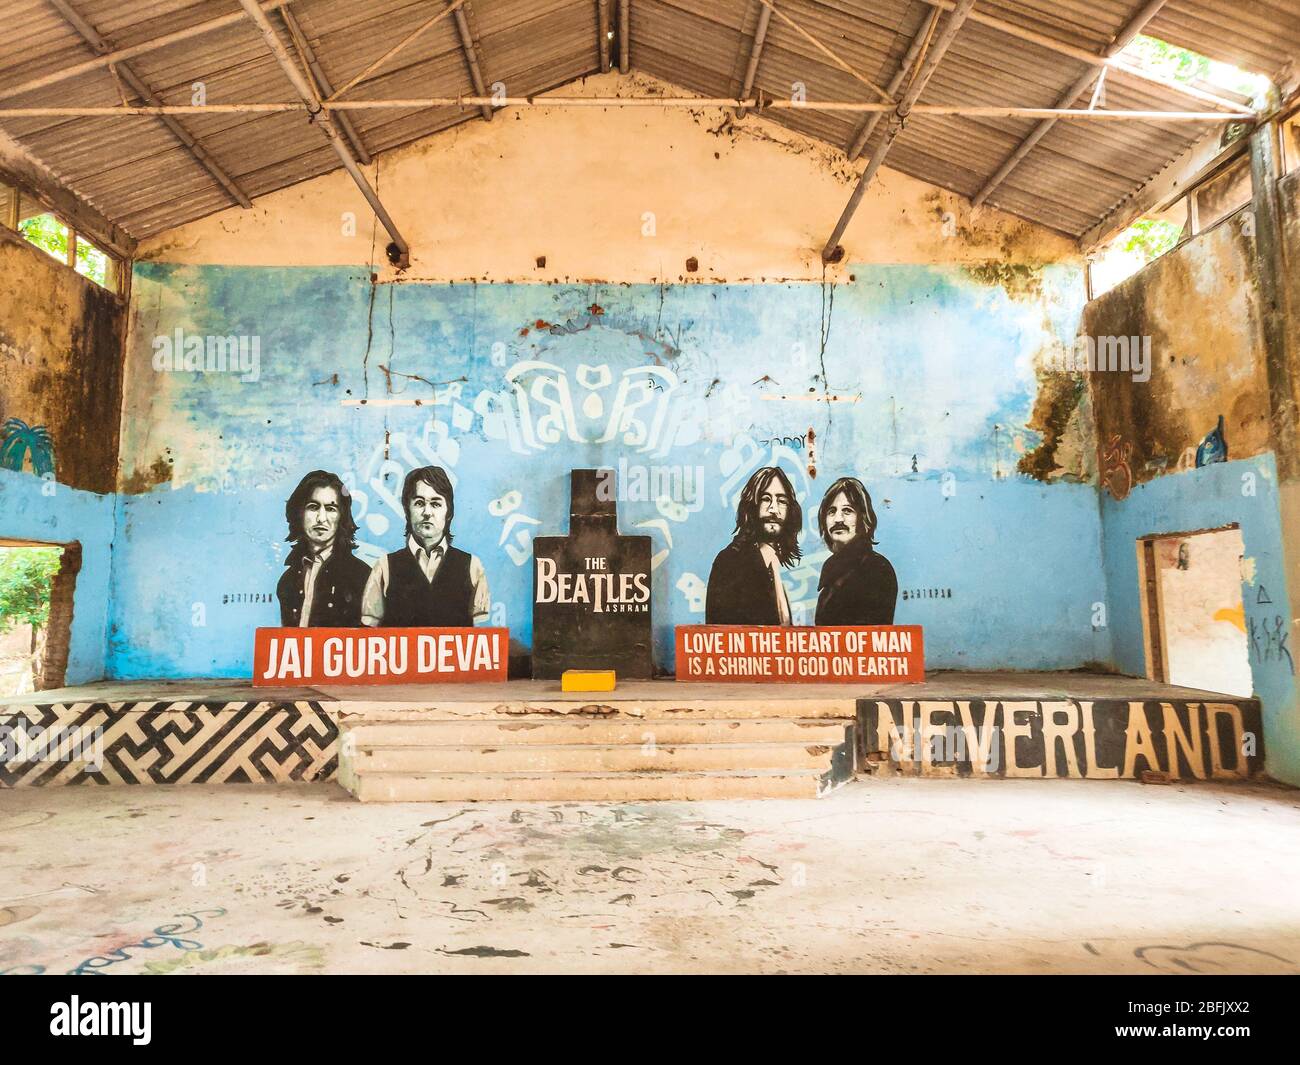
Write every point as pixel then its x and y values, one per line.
pixel 428 24
pixel 624 36
pixel 1122 40
pixel 832 252
pixel 141 89
pixel 99 62
pixel 399 250
pixel 36 179
pixel 755 52
pixel 1084 56
pixel 472 61
pixel 837 60
pixel 323 85
pixel 896 82
pixel 602 34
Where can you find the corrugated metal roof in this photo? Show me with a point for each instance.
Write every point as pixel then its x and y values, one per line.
pixel 139 175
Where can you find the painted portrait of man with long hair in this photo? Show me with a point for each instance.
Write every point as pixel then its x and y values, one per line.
pixel 323 580
pixel 745 586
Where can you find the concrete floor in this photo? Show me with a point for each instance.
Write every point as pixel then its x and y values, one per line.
pixel 900 875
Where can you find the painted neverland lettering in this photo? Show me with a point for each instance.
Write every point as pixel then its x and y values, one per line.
pixel 394 656
pixel 800 654
pixel 1082 739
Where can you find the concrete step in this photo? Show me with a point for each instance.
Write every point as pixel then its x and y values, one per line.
pixel 592 787
pixel 618 730
pixel 596 757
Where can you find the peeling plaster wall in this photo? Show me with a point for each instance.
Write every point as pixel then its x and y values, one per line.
pixel 1289 198
pixel 612 195
pixel 61 360
pixel 1199 304
pixel 934 367
pixel 61 372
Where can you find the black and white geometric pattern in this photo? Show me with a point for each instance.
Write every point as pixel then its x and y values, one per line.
pixel 167 743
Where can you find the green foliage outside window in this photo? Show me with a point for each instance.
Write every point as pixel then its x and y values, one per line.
pixel 25 577
pixel 51 235
pixel 1150 237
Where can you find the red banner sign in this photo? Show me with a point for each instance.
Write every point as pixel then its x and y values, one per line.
pixel 379 656
pixel 800 655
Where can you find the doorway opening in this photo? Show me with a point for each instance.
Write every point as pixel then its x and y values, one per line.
pixel 1194 617
pixel 37 581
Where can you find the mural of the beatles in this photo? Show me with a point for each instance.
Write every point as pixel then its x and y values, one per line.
pixel 745 585
pixel 427 582
pixel 323 580
pixel 858 585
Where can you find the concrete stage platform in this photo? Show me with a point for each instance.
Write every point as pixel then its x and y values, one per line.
pixel 527 740
pixel 943 684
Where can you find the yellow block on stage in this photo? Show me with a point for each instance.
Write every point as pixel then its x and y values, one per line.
pixel 587 680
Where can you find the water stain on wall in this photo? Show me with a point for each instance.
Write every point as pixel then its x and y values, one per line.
pixel 61 359
pixel 1200 310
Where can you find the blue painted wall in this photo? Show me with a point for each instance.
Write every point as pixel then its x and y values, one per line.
pixel 517 384
pixel 1244 492
pixel 43 510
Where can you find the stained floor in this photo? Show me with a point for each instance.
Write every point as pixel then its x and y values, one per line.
pixel 895 875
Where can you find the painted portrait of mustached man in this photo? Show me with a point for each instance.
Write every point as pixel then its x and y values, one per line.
pixel 858 585
pixel 323 580
pixel 745 586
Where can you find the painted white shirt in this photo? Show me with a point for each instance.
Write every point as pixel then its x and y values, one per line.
pixel 372 600
pixel 774 565
pixel 311 568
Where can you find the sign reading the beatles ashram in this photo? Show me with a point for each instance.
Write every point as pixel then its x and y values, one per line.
pixel 389 656
pixel 890 653
pixel 591 589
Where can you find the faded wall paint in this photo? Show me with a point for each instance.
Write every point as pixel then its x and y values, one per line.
pixel 33 509
pixel 61 371
pixel 61 362
pixel 1199 306
pixel 1242 491
pixel 1289 201
pixel 932 371
pixel 620 195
